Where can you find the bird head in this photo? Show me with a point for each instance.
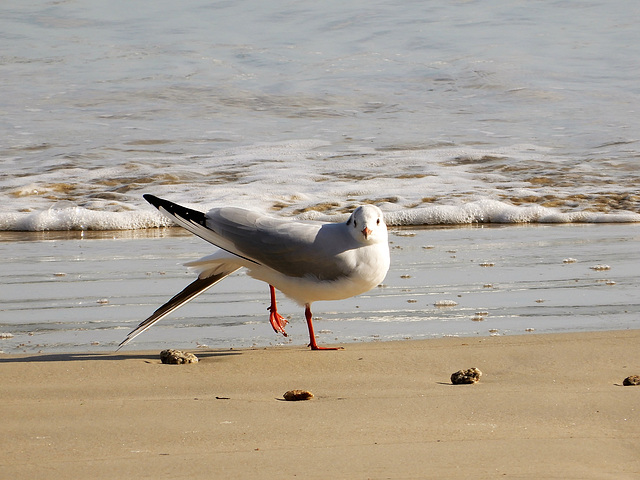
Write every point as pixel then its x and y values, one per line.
pixel 367 224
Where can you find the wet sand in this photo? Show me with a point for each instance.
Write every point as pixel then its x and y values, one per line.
pixel 84 291
pixel 547 406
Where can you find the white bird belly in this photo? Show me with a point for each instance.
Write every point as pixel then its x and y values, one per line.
pixel 307 289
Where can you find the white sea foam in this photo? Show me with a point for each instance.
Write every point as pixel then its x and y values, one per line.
pixel 482 211
pixel 307 179
pixel 304 179
pixel 78 218
pixel 491 211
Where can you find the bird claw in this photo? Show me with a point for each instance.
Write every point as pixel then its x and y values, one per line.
pixel 278 322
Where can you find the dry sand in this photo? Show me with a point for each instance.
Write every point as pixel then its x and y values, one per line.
pixel 547 406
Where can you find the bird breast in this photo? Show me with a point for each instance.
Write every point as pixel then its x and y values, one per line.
pixel 369 269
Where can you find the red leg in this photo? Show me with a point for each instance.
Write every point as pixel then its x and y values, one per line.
pixel 278 322
pixel 312 335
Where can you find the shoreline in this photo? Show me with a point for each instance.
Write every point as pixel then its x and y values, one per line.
pixel 285 344
pixel 546 406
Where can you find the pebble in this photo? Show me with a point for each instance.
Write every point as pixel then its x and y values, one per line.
pixel 632 380
pixel 297 395
pixel 466 377
pixel 177 357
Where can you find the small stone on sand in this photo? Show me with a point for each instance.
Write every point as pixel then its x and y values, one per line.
pixel 632 380
pixel 462 377
pixel 297 395
pixel 177 357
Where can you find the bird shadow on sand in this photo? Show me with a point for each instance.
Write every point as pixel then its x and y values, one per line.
pixel 73 357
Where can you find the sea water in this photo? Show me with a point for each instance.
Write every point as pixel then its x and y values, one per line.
pixel 81 292
pixel 439 112
pixel 442 113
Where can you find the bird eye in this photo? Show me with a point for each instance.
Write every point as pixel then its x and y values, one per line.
pixel 378 222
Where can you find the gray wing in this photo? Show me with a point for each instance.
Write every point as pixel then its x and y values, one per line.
pixel 293 248
pixel 296 249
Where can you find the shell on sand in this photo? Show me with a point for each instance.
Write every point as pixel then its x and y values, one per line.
pixel 297 395
pixel 632 380
pixel 462 377
pixel 177 357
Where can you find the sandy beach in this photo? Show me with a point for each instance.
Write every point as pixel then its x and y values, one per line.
pixel 547 406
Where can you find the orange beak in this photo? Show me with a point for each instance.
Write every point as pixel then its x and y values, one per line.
pixel 366 232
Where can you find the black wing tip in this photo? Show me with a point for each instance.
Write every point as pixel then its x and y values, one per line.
pixel 175 209
pixel 153 200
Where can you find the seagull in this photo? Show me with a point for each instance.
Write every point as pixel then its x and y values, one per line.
pixel 308 261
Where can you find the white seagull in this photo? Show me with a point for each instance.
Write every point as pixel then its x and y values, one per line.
pixel 307 261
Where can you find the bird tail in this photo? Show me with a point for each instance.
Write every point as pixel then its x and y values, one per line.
pixel 200 285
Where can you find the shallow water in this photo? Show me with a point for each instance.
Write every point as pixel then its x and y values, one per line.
pixel 81 292
pixel 454 112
